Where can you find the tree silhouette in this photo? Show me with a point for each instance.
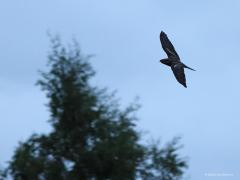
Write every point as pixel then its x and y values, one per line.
pixel 92 137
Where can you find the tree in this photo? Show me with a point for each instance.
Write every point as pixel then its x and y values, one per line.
pixel 2 174
pixel 92 137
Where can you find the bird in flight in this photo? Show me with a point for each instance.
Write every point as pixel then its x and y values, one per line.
pixel 173 59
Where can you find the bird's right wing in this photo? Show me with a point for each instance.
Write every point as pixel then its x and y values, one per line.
pixel 178 71
pixel 167 46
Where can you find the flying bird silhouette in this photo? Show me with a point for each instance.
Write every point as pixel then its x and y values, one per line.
pixel 173 59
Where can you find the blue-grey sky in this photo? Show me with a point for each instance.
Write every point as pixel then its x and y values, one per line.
pixel 124 36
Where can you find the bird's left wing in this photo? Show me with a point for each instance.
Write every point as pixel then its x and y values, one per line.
pixel 167 46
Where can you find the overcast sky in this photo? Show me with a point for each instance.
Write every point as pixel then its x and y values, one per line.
pixel 124 36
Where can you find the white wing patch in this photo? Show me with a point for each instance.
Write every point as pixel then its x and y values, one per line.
pixel 177 65
pixel 170 51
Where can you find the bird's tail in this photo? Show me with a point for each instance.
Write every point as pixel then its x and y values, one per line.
pixel 189 68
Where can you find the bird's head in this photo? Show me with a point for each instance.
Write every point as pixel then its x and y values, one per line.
pixel 166 62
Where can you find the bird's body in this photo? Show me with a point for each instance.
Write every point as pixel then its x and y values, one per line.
pixel 173 59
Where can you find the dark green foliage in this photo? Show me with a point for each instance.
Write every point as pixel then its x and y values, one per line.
pixel 92 138
pixel 2 174
pixel 164 163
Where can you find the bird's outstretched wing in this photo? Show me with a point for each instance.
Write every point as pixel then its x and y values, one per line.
pixel 178 71
pixel 168 47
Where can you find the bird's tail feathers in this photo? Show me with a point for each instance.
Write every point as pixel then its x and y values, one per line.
pixel 189 68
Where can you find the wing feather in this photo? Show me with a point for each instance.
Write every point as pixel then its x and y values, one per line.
pixel 167 46
pixel 178 71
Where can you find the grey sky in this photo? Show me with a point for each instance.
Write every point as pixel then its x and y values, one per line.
pixel 124 36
